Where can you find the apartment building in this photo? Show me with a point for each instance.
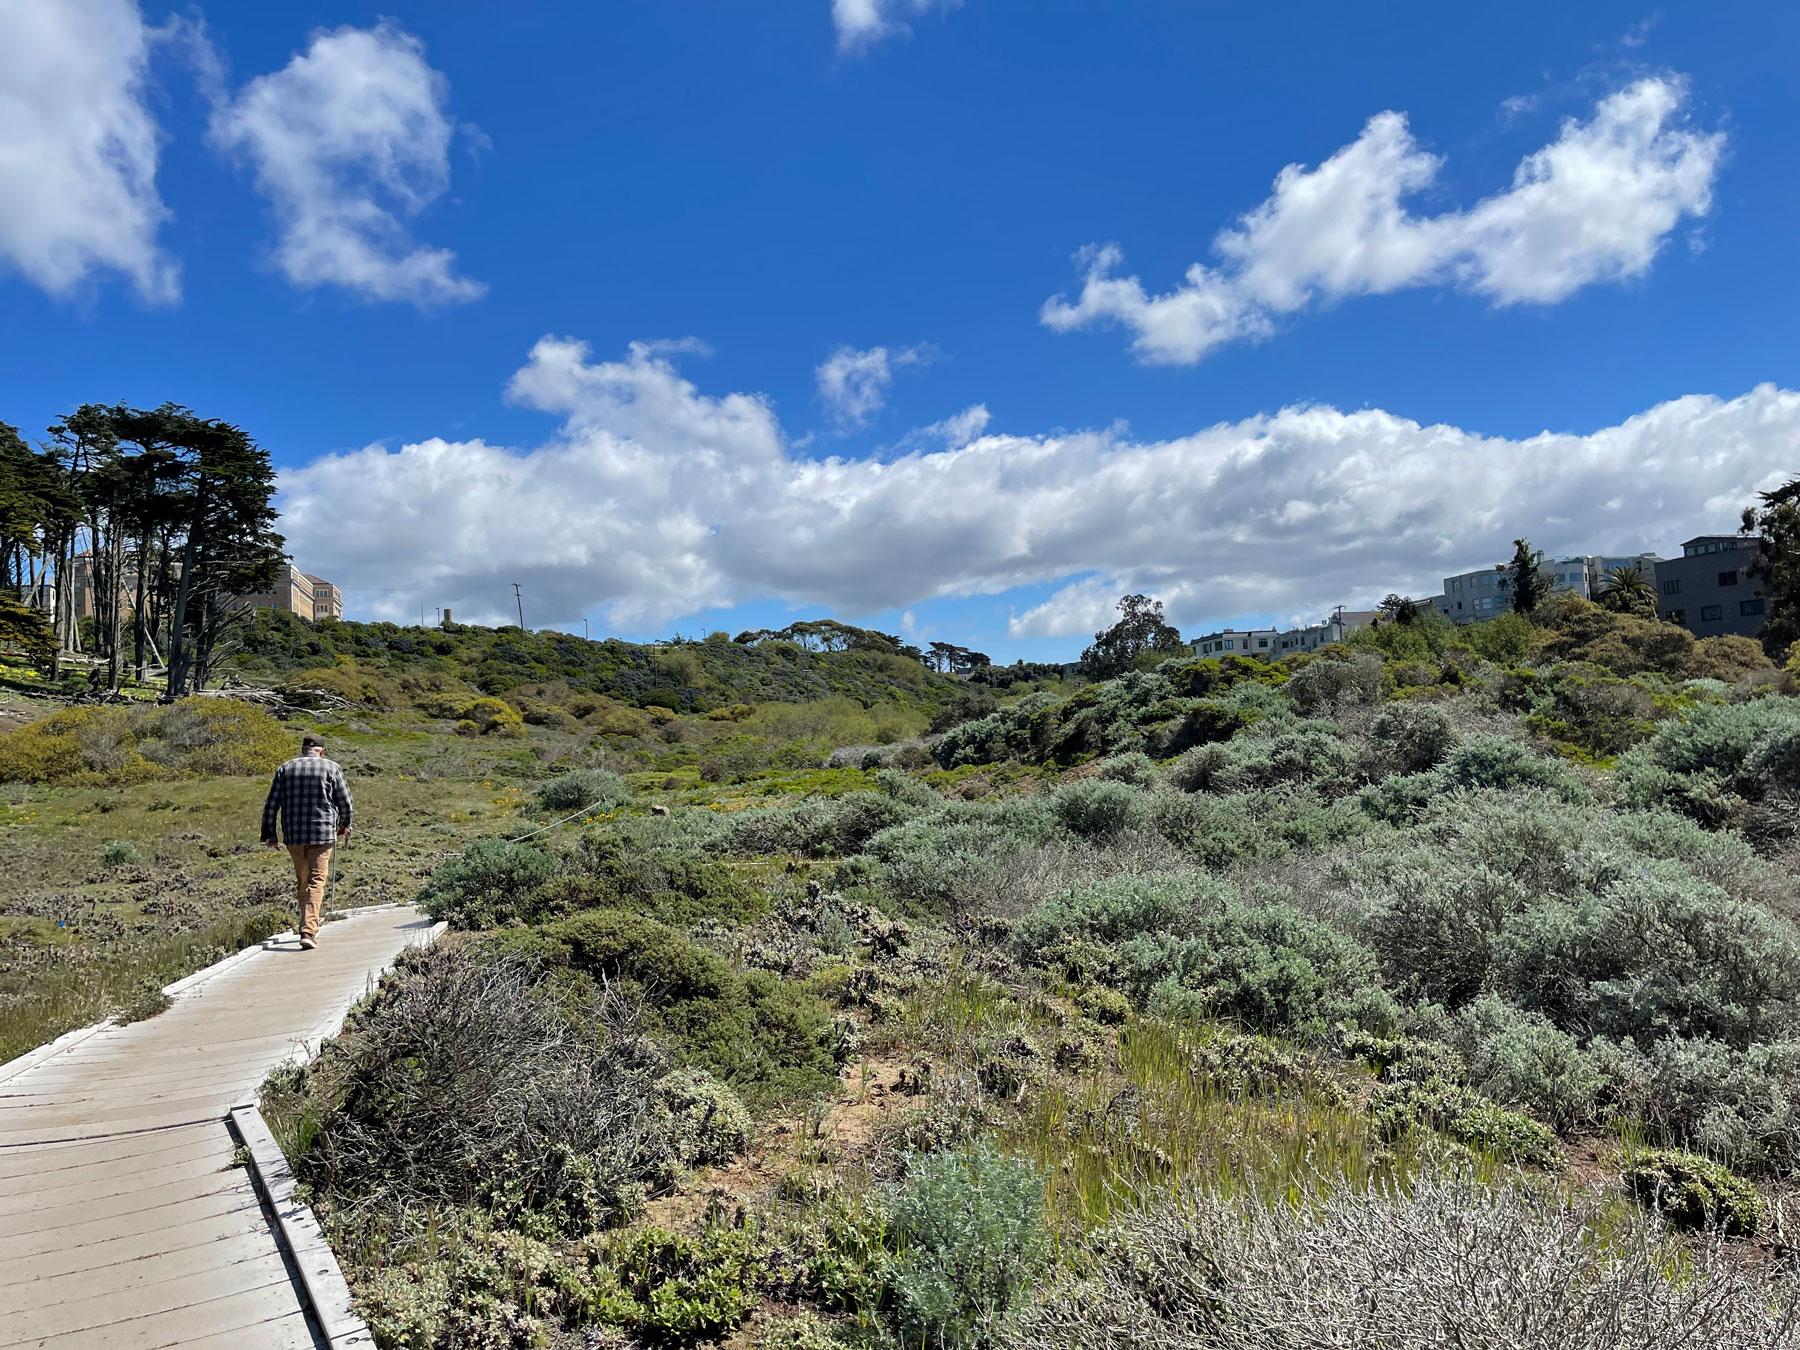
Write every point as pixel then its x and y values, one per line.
pixel 1486 593
pixel 1270 643
pixel 1708 590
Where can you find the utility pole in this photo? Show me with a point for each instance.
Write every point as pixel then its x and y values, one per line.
pixel 519 596
pixel 584 632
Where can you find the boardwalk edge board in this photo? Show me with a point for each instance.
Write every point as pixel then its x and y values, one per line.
pixel 302 1238
pixel 297 1227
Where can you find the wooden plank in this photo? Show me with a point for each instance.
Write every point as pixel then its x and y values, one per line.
pixel 126 1177
pixel 105 1310
pixel 165 1218
pixel 58 1212
pixel 25 1166
pixel 245 1219
pixel 141 1275
pixel 241 1313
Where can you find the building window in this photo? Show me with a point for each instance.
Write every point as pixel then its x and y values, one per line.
pixel 1672 586
pixel 1711 612
pixel 1750 607
pixel 1728 578
pixel 1262 642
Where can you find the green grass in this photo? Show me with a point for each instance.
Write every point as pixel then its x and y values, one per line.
pixel 85 930
pixel 1151 1126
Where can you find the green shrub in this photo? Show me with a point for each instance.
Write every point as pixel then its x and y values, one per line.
pixel 1464 1116
pixel 1330 683
pixel 1411 737
pixel 1522 1059
pixel 489 717
pixel 491 882
pixel 1653 950
pixel 1718 759
pixel 970 1241
pixel 681 1289
pixel 1135 768
pixel 706 1121
pixel 1099 808
pixel 120 853
pixel 583 789
pixel 1268 967
pixel 1117 909
pixel 1268 754
pixel 1219 830
pixel 1693 1192
pixel 765 1037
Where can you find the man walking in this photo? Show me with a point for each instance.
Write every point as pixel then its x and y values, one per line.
pixel 312 799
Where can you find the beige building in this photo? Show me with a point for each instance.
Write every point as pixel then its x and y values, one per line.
pixel 328 600
pixel 295 592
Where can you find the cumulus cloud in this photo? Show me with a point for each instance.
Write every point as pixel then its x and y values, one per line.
pixel 853 383
pixel 1593 206
pixel 861 24
pixel 78 147
pixel 654 501
pixel 349 141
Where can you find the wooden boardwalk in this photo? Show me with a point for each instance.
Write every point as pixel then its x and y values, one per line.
pixel 123 1221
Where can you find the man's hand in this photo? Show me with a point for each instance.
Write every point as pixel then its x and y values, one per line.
pixel 344 833
pixel 270 843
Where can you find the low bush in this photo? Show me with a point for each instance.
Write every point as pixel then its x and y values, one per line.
pixel 1328 684
pixel 115 746
pixel 970 1241
pixel 1442 1261
pixel 1522 1059
pixel 1099 808
pixel 582 790
pixel 491 882
pixel 1693 1192
pixel 1718 760
pixel 765 1037
pixel 467 1081
pixel 1267 967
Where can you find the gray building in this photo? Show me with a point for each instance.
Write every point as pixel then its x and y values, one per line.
pixel 1486 592
pixel 1708 590
pixel 1269 643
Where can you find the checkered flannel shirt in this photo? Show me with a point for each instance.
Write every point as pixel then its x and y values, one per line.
pixel 311 798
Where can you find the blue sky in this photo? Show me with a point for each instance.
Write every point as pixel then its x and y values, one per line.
pixel 411 249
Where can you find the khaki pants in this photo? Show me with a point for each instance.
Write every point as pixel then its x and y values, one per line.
pixel 312 866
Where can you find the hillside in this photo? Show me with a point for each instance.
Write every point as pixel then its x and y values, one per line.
pixel 697 676
pixel 1478 938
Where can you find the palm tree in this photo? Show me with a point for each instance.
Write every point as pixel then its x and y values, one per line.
pixel 1627 590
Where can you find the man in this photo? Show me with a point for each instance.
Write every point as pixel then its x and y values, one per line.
pixel 313 801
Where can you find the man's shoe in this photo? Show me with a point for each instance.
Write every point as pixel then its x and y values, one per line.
pixel 307 944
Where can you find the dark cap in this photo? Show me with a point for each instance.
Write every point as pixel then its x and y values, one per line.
pixel 311 741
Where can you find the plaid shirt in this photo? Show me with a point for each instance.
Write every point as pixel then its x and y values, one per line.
pixel 312 799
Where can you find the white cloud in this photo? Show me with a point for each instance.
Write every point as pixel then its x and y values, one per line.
pixel 78 147
pixel 961 428
pixel 657 501
pixel 349 141
pixel 853 383
pixel 1593 206
pixel 861 24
